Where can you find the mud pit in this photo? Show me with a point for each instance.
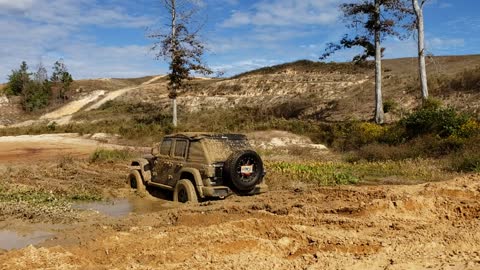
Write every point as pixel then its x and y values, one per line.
pixel 427 226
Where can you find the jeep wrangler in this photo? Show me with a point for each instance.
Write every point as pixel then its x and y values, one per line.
pixel 200 166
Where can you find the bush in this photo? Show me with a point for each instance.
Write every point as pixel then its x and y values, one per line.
pixel 36 96
pixel 442 122
pixel 468 161
pixel 390 106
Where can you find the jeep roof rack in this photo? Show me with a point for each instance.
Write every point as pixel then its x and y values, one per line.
pixel 201 135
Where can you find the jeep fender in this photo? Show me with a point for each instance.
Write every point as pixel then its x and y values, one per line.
pixel 197 179
pixel 142 165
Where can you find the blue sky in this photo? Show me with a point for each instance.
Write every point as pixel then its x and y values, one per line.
pixel 107 38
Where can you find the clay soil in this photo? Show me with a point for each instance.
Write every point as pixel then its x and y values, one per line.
pixel 426 226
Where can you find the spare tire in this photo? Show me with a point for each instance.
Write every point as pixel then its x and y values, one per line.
pixel 244 169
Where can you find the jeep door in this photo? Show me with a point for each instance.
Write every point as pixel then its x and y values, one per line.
pixel 163 163
pixel 179 155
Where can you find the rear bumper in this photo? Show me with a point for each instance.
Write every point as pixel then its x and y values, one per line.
pixel 222 192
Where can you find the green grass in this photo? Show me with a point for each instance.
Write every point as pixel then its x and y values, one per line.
pixel 343 173
pixel 107 155
pixel 38 195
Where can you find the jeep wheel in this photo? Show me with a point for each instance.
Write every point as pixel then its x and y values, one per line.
pixel 185 192
pixel 135 182
pixel 244 169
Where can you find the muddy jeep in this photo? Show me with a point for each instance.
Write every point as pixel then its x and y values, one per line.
pixel 200 166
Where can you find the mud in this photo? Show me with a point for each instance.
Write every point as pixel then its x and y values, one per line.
pixel 124 206
pixel 14 240
pixel 426 226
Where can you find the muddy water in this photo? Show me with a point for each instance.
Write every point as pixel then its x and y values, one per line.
pixel 13 240
pixel 123 207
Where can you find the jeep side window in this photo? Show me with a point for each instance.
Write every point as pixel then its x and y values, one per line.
pixel 180 148
pixel 165 147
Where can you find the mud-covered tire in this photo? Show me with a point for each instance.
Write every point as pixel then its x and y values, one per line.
pixel 233 165
pixel 185 192
pixel 135 182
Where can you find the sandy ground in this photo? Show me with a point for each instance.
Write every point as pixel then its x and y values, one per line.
pixel 33 148
pixel 427 226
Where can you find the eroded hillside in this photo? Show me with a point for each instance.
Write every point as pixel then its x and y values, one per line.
pixel 303 89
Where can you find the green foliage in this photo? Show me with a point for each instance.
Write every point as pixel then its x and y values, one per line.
pixel 442 122
pixel 390 106
pixel 36 96
pixel 342 173
pixel 61 80
pixel 107 155
pixel 18 80
pixel 319 173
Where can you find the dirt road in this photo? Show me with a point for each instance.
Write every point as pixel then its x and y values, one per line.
pixel 427 226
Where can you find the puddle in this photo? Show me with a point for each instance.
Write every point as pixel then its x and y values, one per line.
pixel 123 207
pixel 13 240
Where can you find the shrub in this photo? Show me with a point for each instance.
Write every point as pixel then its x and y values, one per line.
pixel 36 96
pixel 430 120
pixel 390 106
pixel 468 161
pixel 469 129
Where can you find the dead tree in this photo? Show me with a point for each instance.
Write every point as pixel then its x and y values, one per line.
pixel 180 46
pixel 418 9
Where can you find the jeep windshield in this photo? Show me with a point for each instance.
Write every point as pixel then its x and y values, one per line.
pixel 220 149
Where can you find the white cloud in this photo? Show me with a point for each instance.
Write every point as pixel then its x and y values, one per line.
pixel 445 43
pixel 15 5
pixel 45 31
pixel 286 12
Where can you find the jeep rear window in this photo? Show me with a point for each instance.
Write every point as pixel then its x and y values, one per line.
pixel 165 147
pixel 221 149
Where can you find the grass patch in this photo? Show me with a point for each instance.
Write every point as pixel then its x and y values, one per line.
pixel 108 155
pixel 342 173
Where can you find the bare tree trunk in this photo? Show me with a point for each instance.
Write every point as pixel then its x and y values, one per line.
pixel 174 52
pixel 421 47
pixel 174 105
pixel 379 114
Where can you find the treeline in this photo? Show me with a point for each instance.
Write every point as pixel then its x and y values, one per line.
pixel 37 89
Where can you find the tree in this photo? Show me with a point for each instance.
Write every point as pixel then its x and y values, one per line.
pixel 418 9
pixel 61 80
pixel 18 80
pixel 36 95
pixel 181 47
pixel 373 21
pixel 41 75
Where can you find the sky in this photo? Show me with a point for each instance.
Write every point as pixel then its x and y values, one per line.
pixel 109 38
